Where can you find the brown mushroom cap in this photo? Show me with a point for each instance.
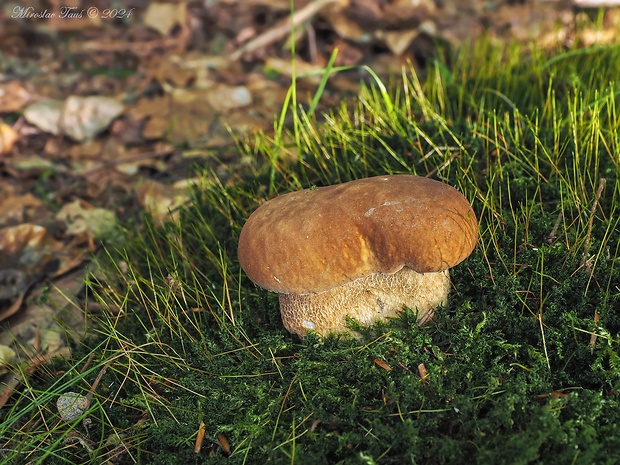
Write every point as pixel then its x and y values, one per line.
pixel 313 240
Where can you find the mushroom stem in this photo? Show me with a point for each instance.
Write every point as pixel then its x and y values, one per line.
pixel 374 297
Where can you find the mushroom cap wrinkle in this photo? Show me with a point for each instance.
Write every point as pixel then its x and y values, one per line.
pixel 317 240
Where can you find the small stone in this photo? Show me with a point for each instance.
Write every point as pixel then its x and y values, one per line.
pixel 72 405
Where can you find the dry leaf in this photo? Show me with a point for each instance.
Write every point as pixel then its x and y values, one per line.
pixel 45 114
pixel 8 137
pixel 156 127
pixel 30 165
pixel 7 355
pixel 348 29
pixel 174 70
pixel 80 218
pixel 88 150
pixel 200 437
pixel 27 247
pixel 224 443
pixel 13 97
pixel 382 364
pixel 82 118
pixel 15 209
pixel 399 41
pixel 163 17
pixel 27 252
pixel 160 200
pixel 15 305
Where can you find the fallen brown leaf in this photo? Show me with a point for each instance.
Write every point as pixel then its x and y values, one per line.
pixel 382 364
pixel 163 17
pixel 8 136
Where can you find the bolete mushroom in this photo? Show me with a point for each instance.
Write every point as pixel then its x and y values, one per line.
pixel 363 249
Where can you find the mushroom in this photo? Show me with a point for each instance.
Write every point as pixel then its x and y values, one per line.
pixel 363 249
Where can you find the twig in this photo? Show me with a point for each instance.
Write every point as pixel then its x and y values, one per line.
pixel 281 31
pixel 91 357
pixel 104 368
pixel 140 48
pixel 542 332
pixel 594 336
pixel 553 234
pixel 586 245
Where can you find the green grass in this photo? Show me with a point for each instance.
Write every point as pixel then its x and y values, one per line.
pixel 522 366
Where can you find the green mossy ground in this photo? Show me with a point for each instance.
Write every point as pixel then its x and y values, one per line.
pixel 514 374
